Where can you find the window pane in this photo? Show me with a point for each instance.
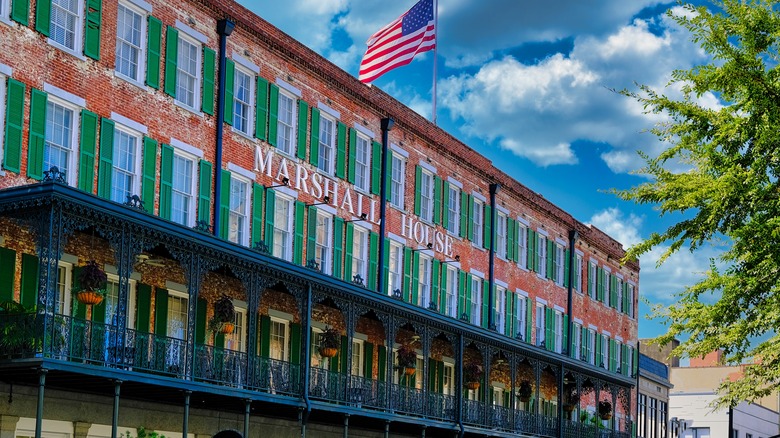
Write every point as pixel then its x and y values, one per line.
pixel 128 42
pixel 59 137
pixel 124 170
pixel 286 123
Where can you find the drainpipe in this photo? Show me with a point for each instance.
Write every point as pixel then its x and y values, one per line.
pixel 224 28
pixel 491 274
pixel 573 236
pixel 306 368
pixel 387 125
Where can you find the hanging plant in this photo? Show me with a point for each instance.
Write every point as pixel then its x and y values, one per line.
pixel 224 316
pixel 330 340
pixel 525 391
pixel 472 374
pixel 407 358
pixel 92 280
pixel 605 410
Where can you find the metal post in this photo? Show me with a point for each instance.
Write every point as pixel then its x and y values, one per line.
pixel 247 409
pixel 387 125
pixel 186 419
pixel 115 413
pixel 346 425
pixel 39 412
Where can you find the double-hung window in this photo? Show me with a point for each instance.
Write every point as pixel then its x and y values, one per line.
pixel 630 310
pixel 235 341
pixel 476 300
pixel 67 23
pixel 283 228
pixel 327 146
pixel 130 42
pixel 395 265
pixel 607 288
pixel 540 324
pixel 243 100
pixel 279 339
pixel 397 172
pixel 324 242
pixel 619 294
pixel 286 123
pixel 178 305
pixel 424 278
pixel 501 235
pixel 479 222
pixel 604 353
pixel 558 327
pixel 577 283
pixel 183 189
pixel 592 280
pixel 60 148
pixel 576 332
pixel 238 219
pixel 112 301
pixel 499 309
pixel 359 253
pixel 426 196
pixel 522 245
pixel 592 347
pixel 451 292
pixel 541 254
pixel 5 8
pixel 521 317
pixel 559 264
pixel 64 281
pixel 453 210
pixel 357 357
pixel 126 166
pixel 618 356
pixel 188 71
pixel 362 162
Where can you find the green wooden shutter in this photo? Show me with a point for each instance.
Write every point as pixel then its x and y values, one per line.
pixel 295 343
pixel 200 321
pixel 600 284
pixel 149 180
pixel 273 114
pixel 470 219
pixel 486 305
pixel 530 253
pixel 314 148
pixel 106 165
pixel 566 267
pixel 487 226
pixel 386 263
pixel 204 191
pixel 445 205
pixel 612 356
pixel 635 364
pixel 381 357
pixel 349 238
pixel 43 17
pixel 37 140
pixel 467 308
pixel 342 368
pixel 509 321
pixel 29 280
pixel 434 282
pixel 207 98
pixel 20 11
pixel 550 274
pixel 376 167
pixel 341 150
pixel 338 246
pixel 442 304
pixel 584 344
pixel 613 291
pixel 590 281
pixel 464 215
pixel 153 43
pixel 257 213
pixel 144 307
pixel 171 59
pixel 270 209
pixel 265 335
pixel 14 123
pixel 311 234
pixel 88 139
pixel 224 206
pixel 7 274
pixel 303 119
pixel 414 291
pixel 406 286
pixel 565 344
pixel 511 245
pixel 437 213
pixel 417 189
pixel 92 29
pixel 230 76
pixel 352 156
pixel 373 255
pixel 626 298
pixel 166 180
pixel 300 209
pixel 597 353
pixel 261 109
pixel 529 313
pixel 161 312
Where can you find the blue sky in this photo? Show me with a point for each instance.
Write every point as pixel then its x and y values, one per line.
pixel 529 85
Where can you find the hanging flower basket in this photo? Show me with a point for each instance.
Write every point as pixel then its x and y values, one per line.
pixel 605 410
pixel 227 328
pixel 525 391
pixel 92 280
pixel 224 317
pixel 330 340
pixel 328 352
pixel 89 297
pixel 472 385
pixel 409 371
pixel 568 408
pixel 472 374
pixel 407 357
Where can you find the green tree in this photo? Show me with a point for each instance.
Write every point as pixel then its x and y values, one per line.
pixel 727 193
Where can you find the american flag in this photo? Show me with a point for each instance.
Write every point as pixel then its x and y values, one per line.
pixel 397 43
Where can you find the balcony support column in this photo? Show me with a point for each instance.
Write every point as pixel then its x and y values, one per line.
pixel 346 425
pixel 247 410
pixel 115 411
pixel 39 411
pixel 186 419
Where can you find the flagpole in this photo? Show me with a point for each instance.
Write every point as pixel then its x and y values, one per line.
pixel 435 52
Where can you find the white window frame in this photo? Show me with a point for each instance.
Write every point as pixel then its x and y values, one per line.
pixel 249 105
pixel 287 146
pixel 132 316
pixel 541 254
pixel 135 173
pixel 501 226
pixel 65 298
pixel 141 67
pixel 577 283
pixel 499 309
pixel 593 280
pixel 286 248
pixel 397 180
pixel 426 195
pixel 323 252
pixel 238 338
pixel 619 293
pixel 184 38
pixel 395 269
pixel 5 15
pixel 357 365
pixel 360 237
pixel 78 31
pixel 592 346
pixel 478 233
pixel 522 246
pixel 243 230
pixel 521 316
pixel 453 212
pixel 540 325
pixel 193 195
pixel 285 338
pixel 576 332
pixel 424 277
pixel 451 292
pixel 559 263
pixel 476 300
pixel 363 168
pixel 180 295
pixel 326 160
pixel 558 331
pixel 448 387
pixel 73 155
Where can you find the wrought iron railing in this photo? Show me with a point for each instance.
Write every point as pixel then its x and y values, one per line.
pixel 327 385
pixel 473 412
pixel 221 366
pixel 525 421
pixel 500 417
pixel 407 400
pixel 367 393
pixel 275 376
pixel 441 406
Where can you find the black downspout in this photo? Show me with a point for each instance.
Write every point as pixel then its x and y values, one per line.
pixel 491 274
pixel 387 125
pixel 573 236
pixel 224 28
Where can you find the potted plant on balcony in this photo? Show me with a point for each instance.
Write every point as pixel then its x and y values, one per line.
pixel 605 410
pixel 472 374
pixel 570 398
pixel 407 359
pixel 224 317
pixel 92 281
pixel 330 339
pixel 525 391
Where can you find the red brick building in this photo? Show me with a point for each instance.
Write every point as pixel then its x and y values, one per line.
pixel 194 152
